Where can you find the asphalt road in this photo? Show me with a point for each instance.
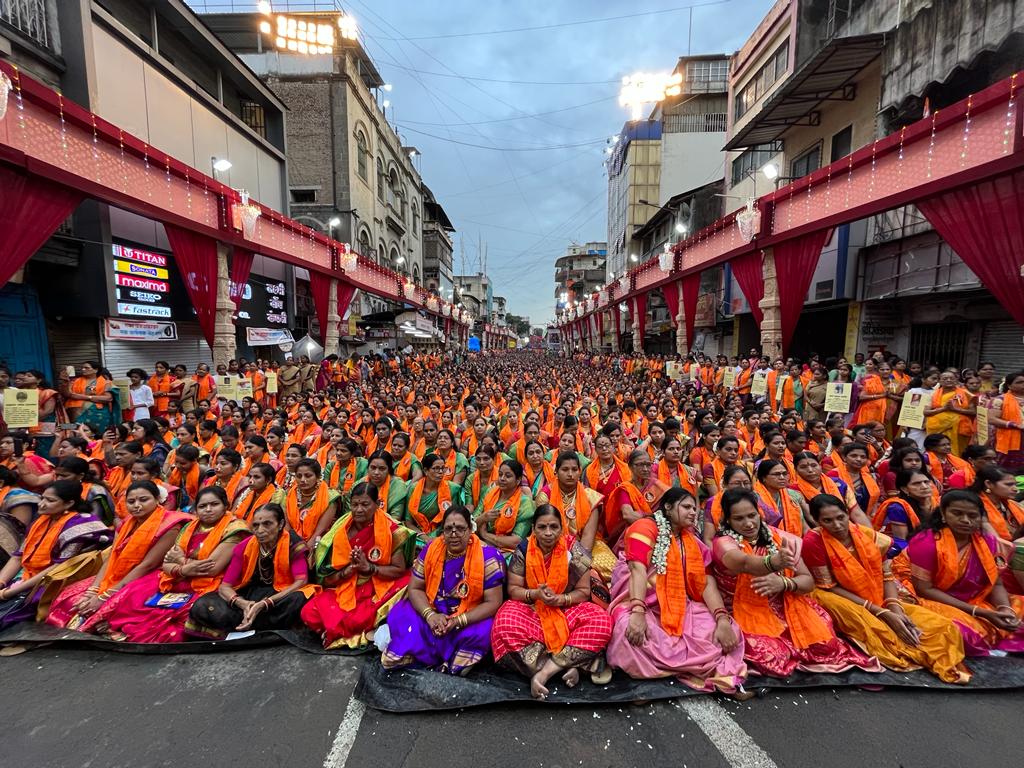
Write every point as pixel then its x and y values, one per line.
pixel 281 707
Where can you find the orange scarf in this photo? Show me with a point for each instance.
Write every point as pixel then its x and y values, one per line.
pixel 349 478
pixel 947 563
pixel 668 477
pixel 828 485
pixel 306 526
pixel 247 503
pixel 509 513
pixel 118 480
pixel 1009 439
pixel 444 500
pixel 200 584
pixel 878 520
pixel 403 469
pixel 755 616
pixel 684 577
pixel 860 573
pixel 593 473
pixel 80 386
pixel 473 567
pixel 546 470
pixel 869 484
pixel 188 483
pixel 475 485
pixel 792 517
pixel 282 561
pixel 958 464
pixel 131 544
pixel 996 518
pixel 39 543
pixel 556 576
pixel 341 555
pixel 581 508
pixel 613 507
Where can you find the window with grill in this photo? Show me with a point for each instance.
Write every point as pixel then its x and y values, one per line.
pixel 753 159
pixel 303 195
pixel 808 162
pixel 252 115
pixel 771 71
pixel 362 157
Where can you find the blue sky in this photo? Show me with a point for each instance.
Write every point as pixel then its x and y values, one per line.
pixel 533 179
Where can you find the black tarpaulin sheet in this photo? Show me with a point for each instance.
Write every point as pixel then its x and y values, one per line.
pixel 31 634
pixel 420 690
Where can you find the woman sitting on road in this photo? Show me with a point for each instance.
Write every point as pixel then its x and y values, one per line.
pixel 633 499
pixel 362 564
pixel 506 513
pixel 669 616
pixel 391 492
pixel 146 535
pixel 65 529
pixel 455 589
pixel 311 506
pixel 854 582
pixel 429 498
pixel 956 574
pixel 265 585
pixel 760 571
pixel 548 625
pixel 481 479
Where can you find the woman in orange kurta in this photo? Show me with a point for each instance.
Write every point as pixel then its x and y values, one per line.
pixel 872 398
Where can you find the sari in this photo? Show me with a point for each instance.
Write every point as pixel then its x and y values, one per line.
pixel 604 481
pixel 346 615
pixel 54 540
pixel 575 513
pixel 863 571
pixel 968 576
pixel 956 427
pixel 476 486
pixel 515 517
pixel 642 501
pixel 458 581
pixel 99 416
pixel 688 651
pixel 132 543
pixel 424 510
pixel 785 632
pixel 304 517
pixel 870 410
pixel 524 636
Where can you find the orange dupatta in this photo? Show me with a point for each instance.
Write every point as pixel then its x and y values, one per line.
pixel 475 485
pixel 755 616
pixel 792 516
pixel 131 544
pixel 613 507
pixel 38 545
pixel 948 564
pixel 473 567
pixel 869 484
pixel 556 576
pixel 252 502
pixel 668 477
pixel 683 577
pixel 1009 439
pixel 996 518
pixel 444 500
pixel 200 584
pixel 341 555
pixel 581 508
pixel 282 564
pixel 860 573
pixel 828 485
pixel 878 519
pixel 871 410
pixel 305 526
pixel 510 512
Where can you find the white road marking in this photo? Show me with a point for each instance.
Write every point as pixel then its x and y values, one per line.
pixel 346 735
pixel 735 744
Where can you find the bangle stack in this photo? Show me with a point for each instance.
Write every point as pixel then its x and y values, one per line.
pixel 769 564
pixel 426 613
pixel 788 584
pixel 721 613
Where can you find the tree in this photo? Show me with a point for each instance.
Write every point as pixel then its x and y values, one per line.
pixel 520 325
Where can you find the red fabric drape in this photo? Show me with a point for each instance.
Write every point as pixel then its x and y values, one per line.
pixel 691 292
pixel 984 224
pixel 617 323
pixel 795 262
pixel 31 209
pixel 196 256
pixel 671 294
pixel 747 270
pixel 320 287
pixel 241 267
pixel 641 314
pixel 600 328
pixel 346 292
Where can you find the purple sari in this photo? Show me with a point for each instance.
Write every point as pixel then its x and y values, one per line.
pixel 413 643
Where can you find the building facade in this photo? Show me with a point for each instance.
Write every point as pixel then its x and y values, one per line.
pixel 438 248
pixel 580 272
pixel 153 68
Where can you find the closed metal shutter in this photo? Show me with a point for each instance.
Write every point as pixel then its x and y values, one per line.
pixel 940 344
pixel 1002 344
pixel 73 341
pixel 189 349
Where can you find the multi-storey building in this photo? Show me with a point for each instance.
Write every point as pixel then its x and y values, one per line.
pixel 438 275
pixel 580 272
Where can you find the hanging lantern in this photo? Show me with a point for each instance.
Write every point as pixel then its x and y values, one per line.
pixel 5 89
pixel 666 258
pixel 747 221
pixel 244 215
pixel 432 305
pixel 446 309
pixel 349 261
pixel 409 290
pixel 602 296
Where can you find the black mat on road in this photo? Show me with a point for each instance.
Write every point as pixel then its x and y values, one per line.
pixel 34 635
pixel 419 690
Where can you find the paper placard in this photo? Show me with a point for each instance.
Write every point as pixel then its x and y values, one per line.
pixel 243 388
pixel 983 424
pixel 838 395
pixel 271 383
pixel 759 384
pixel 21 408
pixel 912 410
pixel 227 387
pixel 674 370
pixel 729 377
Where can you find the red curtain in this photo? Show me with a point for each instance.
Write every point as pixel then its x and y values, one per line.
pixel 984 224
pixel 795 262
pixel 671 293
pixel 346 292
pixel 196 257
pixel 320 287
pixel 691 292
pixel 641 314
pixel 241 266
pixel 617 322
pixel 600 328
pixel 31 209
pixel 747 270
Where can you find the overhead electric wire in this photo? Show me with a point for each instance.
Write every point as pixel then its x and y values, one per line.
pixel 518 117
pixel 591 142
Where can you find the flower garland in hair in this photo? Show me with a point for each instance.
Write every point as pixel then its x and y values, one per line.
pixel 661 543
pixel 771 547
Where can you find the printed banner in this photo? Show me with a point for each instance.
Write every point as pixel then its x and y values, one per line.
pixel 21 408
pixel 759 384
pixel 261 337
pixel 912 411
pixel 139 330
pixel 837 397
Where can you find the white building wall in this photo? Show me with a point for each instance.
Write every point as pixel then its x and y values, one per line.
pixel 690 160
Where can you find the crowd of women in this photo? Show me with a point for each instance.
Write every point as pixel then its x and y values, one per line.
pixel 565 517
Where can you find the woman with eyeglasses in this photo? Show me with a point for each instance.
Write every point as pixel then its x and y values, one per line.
pixel 780 506
pixel 444 623
pixel 632 499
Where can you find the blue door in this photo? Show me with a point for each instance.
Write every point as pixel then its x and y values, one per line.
pixel 23 342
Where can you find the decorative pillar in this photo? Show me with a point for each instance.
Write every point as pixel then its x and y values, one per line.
pixel 682 343
pixel 771 322
pixel 638 339
pixel 332 344
pixel 223 325
pixel 615 315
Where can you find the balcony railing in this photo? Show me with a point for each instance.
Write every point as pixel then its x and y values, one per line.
pixel 712 122
pixel 30 17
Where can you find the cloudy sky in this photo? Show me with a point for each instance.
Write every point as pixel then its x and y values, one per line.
pixel 518 165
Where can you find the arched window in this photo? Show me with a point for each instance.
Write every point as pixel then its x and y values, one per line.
pixel 394 259
pixel 393 189
pixel 380 179
pixel 402 200
pixel 364 246
pixel 381 257
pixel 416 273
pixel 362 157
pixel 415 220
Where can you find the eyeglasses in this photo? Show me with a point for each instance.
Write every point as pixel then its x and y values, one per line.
pixel 454 530
pixel 778 474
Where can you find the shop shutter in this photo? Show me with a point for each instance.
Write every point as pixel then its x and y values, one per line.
pixel 189 349
pixel 1002 344
pixel 73 341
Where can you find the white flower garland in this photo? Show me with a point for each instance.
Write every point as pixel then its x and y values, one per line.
pixel 738 538
pixel 661 544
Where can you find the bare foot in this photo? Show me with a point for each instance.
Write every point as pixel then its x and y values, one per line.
pixel 571 677
pixel 537 689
